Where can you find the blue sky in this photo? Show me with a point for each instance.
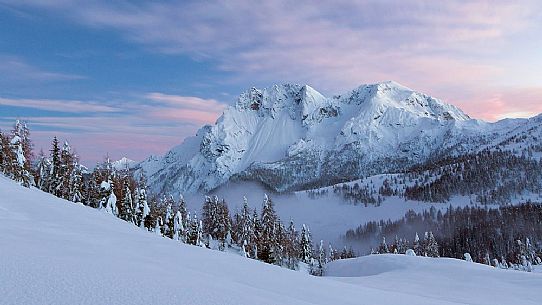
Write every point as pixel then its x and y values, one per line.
pixel 135 77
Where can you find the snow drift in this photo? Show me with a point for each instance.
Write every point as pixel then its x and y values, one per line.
pixel 439 278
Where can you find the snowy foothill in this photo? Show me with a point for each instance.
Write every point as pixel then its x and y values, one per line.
pixel 53 251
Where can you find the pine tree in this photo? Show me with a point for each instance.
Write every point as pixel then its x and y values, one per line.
pixel 244 225
pixel 267 244
pixel 143 210
pixel 432 248
pixel 42 171
pixel 111 201
pixel 67 161
pixel 21 130
pixel 305 246
pixel 178 226
pixel 194 232
pixel 256 233
pixel 54 174
pixel 224 224
pixel 126 212
pixel 319 267
pixel 383 248
pixel 183 211
pixel 158 226
pixel 76 183
pixel 416 245
pixel 18 167
pixel 209 217
pixel 136 207
pixel 291 246
pixel 243 249
pixel 169 223
pixel 5 154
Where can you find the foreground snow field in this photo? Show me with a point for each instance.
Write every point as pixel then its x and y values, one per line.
pixel 443 278
pixel 56 252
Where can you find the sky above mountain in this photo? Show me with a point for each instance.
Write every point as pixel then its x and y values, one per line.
pixel 135 77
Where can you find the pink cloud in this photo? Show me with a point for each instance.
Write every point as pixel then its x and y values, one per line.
pixel 136 130
pixel 502 103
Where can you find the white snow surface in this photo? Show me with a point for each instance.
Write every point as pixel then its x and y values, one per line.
pixel 56 252
pixel 454 280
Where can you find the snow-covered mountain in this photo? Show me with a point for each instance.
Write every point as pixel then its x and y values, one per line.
pixel 291 137
pixel 123 163
pixel 58 252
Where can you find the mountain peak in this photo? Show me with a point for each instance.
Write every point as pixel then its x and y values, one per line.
pixel 270 129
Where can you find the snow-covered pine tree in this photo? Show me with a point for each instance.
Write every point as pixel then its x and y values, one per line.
pixel 5 154
pixel 432 248
pixel 126 212
pixel 243 249
pixel 319 266
pixel 331 253
pixel 41 175
pixel 158 226
pixel 54 180
pixel 21 130
pixel 224 223
pixel 178 226
pixel 136 206
pixel 291 246
pixel 209 217
pixel 169 223
pixel 19 173
pixel 65 171
pixel 416 245
pixel 267 241
pixel 256 233
pixel 194 233
pixel 111 203
pixel 530 251
pixel 305 245
pixel 144 210
pixel 244 225
pixel 383 248
pixel 76 183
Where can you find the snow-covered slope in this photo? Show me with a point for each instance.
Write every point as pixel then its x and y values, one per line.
pixel 443 278
pixel 56 252
pixel 290 137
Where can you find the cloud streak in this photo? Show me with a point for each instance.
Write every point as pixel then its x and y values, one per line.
pixel 150 124
pixel 15 68
pixel 67 106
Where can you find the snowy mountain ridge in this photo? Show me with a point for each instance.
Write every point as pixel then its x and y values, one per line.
pixel 123 163
pixel 291 137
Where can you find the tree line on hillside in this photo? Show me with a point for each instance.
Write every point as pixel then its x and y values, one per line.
pixel 260 236
pixel 505 237
pixel 487 177
pixel 492 176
